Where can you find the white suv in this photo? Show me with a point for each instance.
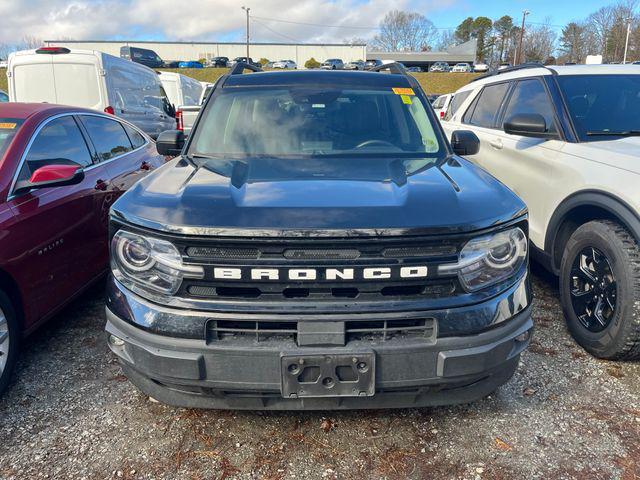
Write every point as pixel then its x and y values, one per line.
pixel 566 140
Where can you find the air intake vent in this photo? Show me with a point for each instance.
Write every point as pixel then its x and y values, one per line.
pixel 408 252
pixel 225 253
pixel 321 254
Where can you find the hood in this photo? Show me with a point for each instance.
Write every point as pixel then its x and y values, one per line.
pixel 278 199
pixel 621 153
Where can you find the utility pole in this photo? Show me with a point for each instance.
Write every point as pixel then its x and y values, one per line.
pixel 246 9
pixel 626 43
pixel 519 55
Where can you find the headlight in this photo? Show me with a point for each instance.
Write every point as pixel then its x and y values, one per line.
pixel 149 264
pixel 491 259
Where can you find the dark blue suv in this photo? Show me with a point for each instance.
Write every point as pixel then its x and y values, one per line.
pixel 318 244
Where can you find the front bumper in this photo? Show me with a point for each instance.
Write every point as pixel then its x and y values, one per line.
pixel 198 373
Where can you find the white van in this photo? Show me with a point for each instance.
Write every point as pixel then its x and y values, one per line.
pixel 91 79
pixel 181 90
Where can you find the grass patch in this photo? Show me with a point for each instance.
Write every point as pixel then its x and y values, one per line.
pixel 431 82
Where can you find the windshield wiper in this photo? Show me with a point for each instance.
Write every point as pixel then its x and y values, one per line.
pixel 623 133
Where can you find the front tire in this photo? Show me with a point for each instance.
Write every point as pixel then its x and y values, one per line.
pixel 9 340
pixel 600 290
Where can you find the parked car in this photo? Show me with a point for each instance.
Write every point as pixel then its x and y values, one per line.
pixel 143 56
pixel 218 62
pixel 284 64
pixel 566 140
pixel 90 79
pixel 170 64
pixel 332 64
pixel 4 97
pixel 414 69
pixel 357 65
pixel 432 98
pixel 440 67
pixel 372 63
pixel 303 271
pixel 180 89
pixel 3 63
pixel 461 67
pixel 480 68
pixel 190 64
pixel 248 60
pixel 441 104
pixel 504 65
pixel 61 168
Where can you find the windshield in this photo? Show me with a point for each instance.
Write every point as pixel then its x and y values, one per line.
pixel 8 129
pixel 602 106
pixel 303 123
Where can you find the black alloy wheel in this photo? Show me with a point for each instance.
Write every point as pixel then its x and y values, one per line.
pixel 594 289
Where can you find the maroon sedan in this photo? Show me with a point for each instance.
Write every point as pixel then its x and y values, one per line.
pixel 61 168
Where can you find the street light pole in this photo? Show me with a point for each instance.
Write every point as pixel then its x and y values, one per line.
pixel 246 9
pixel 626 43
pixel 524 15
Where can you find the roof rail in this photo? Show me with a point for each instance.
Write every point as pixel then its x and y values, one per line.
pixel 394 67
pixel 240 67
pixel 515 68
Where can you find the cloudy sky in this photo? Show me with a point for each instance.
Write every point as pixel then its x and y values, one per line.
pixel 274 20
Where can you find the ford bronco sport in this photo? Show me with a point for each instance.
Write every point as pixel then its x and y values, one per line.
pixel 318 244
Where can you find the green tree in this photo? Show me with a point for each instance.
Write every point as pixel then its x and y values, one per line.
pixel 312 63
pixel 481 29
pixel 464 31
pixel 503 27
pixel 573 42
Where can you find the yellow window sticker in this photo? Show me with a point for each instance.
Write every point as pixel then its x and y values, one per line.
pixel 403 91
pixel 406 99
pixel 9 126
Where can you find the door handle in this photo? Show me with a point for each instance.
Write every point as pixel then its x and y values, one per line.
pixel 497 144
pixel 101 185
pixel 145 166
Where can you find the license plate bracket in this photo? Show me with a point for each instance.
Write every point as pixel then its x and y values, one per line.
pixel 328 375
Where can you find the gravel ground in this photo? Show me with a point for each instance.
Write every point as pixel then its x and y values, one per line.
pixel 72 414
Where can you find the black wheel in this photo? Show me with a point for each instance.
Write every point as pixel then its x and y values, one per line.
pixel 600 290
pixel 9 341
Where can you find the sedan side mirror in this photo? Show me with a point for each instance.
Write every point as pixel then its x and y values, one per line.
pixel 465 142
pixel 170 143
pixel 527 125
pixel 51 176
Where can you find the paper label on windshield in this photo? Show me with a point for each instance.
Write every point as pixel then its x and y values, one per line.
pixel 406 99
pixel 403 91
pixel 8 126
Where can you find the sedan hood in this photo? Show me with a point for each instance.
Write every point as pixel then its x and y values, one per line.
pixel 280 198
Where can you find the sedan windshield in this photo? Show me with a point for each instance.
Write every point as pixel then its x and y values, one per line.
pixel 602 106
pixel 8 129
pixel 303 123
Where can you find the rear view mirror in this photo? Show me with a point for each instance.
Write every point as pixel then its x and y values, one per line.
pixel 51 176
pixel 465 142
pixel 170 143
pixel 527 125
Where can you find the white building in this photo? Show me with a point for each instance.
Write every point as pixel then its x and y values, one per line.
pixel 298 52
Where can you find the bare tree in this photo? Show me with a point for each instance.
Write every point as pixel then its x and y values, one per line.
pixel 446 40
pixel 601 22
pixel 539 43
pixel 405 31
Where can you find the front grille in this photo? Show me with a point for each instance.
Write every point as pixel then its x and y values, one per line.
pixel 423 329
pixel 320 254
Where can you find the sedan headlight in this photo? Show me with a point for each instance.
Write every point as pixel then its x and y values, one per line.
pixel 490 259
pixel 149 264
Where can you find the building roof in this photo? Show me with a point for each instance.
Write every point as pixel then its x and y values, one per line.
pixel 166 42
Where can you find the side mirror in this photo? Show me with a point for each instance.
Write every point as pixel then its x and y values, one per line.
pixel 527 125
pixel 170 143
pixel 465 142
pixel 51 176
